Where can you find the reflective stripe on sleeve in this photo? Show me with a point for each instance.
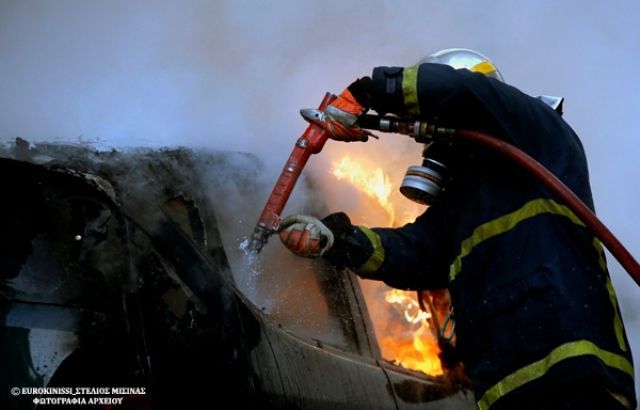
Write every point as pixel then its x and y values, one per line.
pixel 410 90
pixel 377 257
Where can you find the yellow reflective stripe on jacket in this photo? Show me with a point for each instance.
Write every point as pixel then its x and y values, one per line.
pixel 538 369
pixel 410 89
pixel 507 222
pixel 377 257
pixel 600 251
pixel 617 320
pixel 618 327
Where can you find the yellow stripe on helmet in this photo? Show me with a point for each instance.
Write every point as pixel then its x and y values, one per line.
pixel 485 67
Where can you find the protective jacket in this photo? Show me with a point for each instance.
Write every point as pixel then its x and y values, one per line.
pixel 533 301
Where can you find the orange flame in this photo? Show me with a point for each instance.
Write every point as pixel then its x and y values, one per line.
pixel 374 183
pixel 416 347
pixel 406 338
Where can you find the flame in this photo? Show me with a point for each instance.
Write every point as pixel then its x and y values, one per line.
pixel 402 327
pixel 374 183
pixel 416 347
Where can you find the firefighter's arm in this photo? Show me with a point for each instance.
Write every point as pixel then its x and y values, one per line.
pixel 436 92
pixel 410 257
pixel 462 99
pixel 454 98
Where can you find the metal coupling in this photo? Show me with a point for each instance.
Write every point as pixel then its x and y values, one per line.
pixel 386 124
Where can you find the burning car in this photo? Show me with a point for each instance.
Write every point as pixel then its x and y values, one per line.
pixel 121 269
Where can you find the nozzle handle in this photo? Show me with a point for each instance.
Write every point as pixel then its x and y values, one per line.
pixel 309 143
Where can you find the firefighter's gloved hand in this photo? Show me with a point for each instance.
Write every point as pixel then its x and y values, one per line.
pixel 341 115
pixel 305 235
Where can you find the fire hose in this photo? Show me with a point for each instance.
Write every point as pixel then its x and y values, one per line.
pixel 423 132
pixel 310 142
pixel 314 138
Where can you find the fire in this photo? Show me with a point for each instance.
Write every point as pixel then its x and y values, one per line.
pixel 374 183
pixel 412 312
pixel 402 328
pixel 415 346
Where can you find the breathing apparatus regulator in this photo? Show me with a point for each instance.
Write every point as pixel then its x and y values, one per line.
pixel 423 183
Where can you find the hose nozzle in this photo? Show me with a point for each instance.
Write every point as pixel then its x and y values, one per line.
pixel 259 239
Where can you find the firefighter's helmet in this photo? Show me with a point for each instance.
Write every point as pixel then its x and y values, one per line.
pixel 464 58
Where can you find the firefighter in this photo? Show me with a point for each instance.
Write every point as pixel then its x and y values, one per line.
pixel 537 321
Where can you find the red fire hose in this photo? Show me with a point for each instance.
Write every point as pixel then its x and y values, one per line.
pixel 424 132
pixel 582 211
pixel 310 142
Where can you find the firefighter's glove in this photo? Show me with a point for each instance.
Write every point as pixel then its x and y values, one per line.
pixel 340 118
pixel 305 235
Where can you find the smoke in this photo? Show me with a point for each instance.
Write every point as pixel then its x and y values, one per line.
pixel 232 75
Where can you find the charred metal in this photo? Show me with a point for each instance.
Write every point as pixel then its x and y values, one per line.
pixel 114 273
